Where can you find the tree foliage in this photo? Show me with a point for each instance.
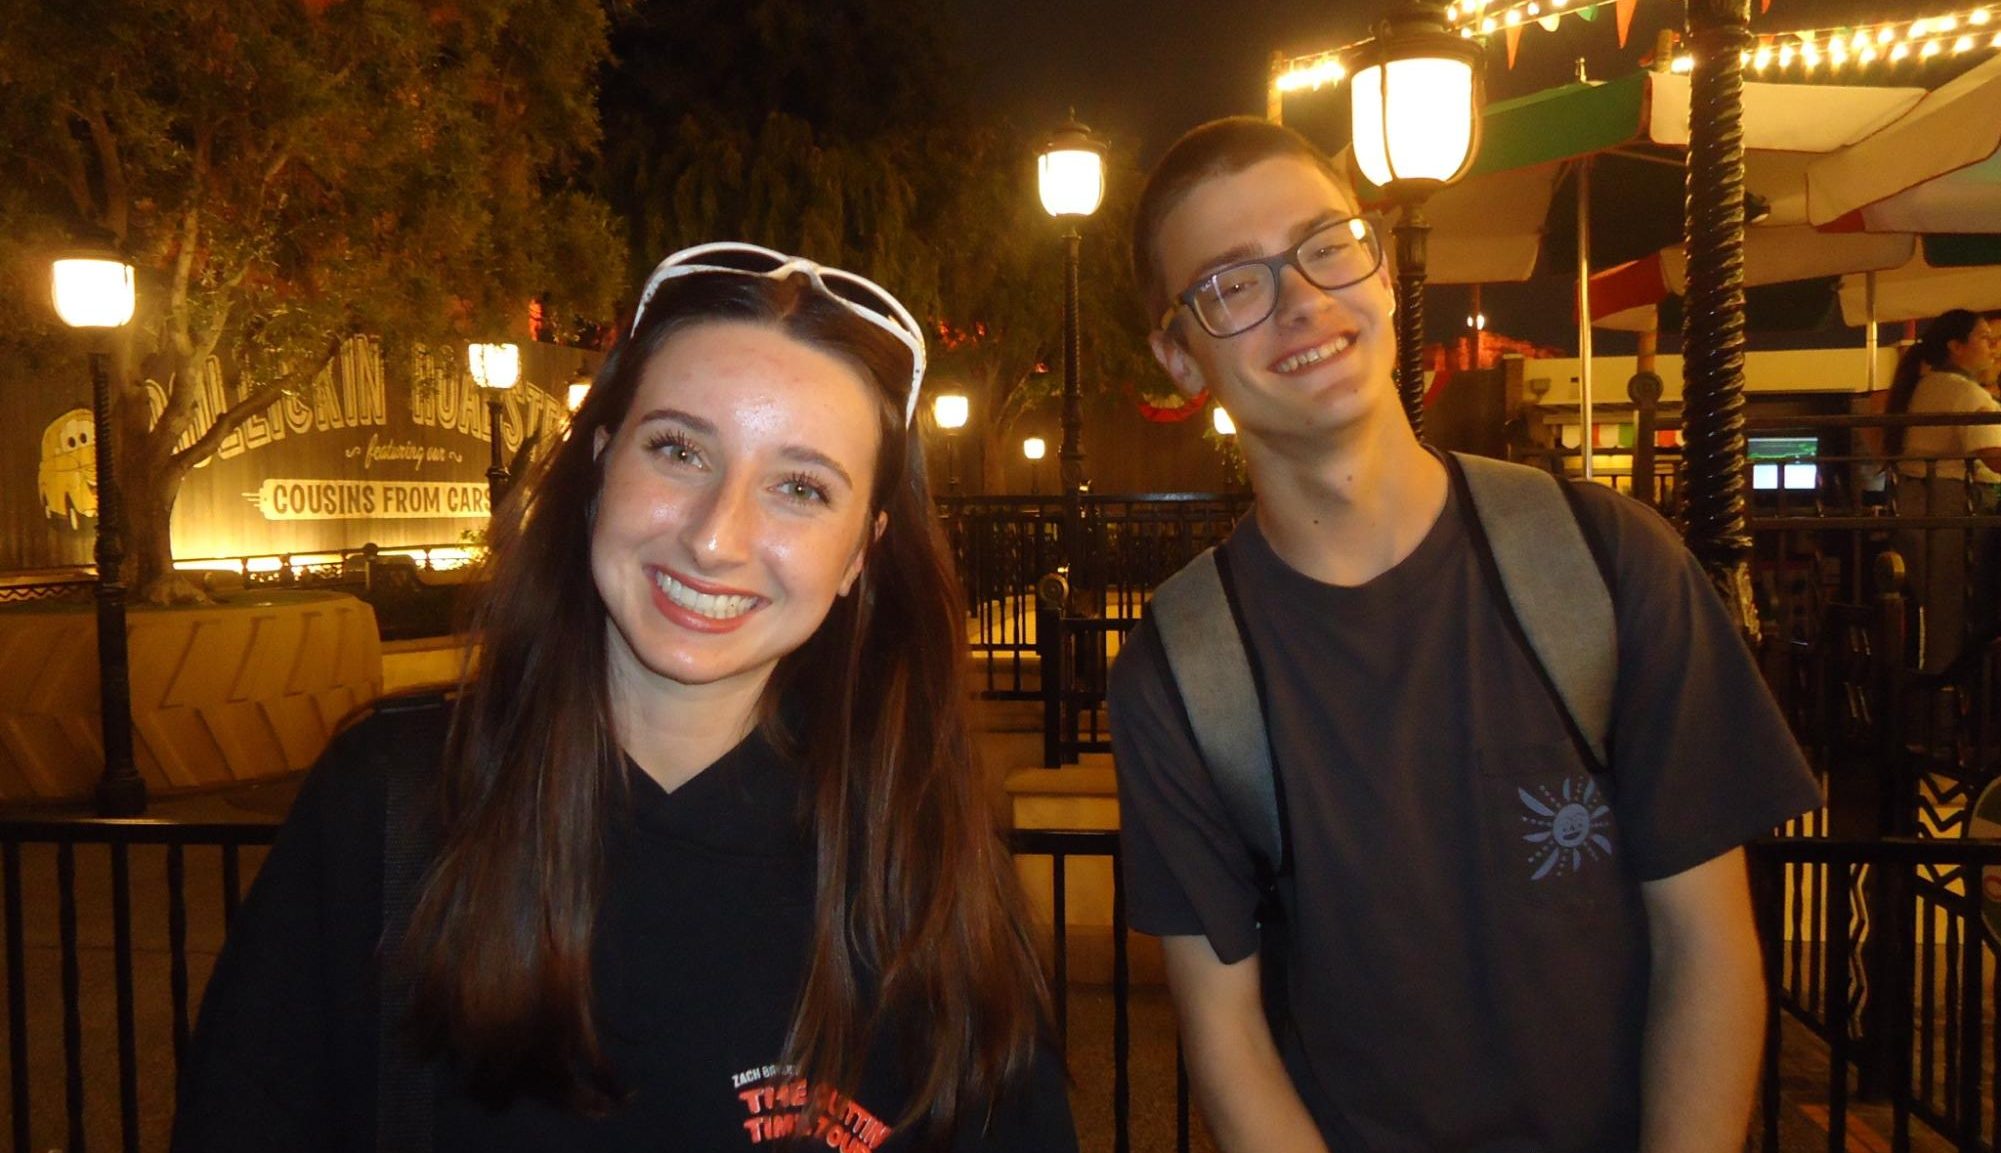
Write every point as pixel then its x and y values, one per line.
pixel 286 173
pixel 838 132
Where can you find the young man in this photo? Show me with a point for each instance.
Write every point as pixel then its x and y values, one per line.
pixel 1490 946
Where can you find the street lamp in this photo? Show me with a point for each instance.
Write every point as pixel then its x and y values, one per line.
pixel 495 368
pixel 96 292
pixel 1416 101
pixel 1034 449
pixel 1070 175
pixel 951 410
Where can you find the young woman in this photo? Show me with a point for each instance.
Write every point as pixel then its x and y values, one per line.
pixel 1944 372
pixel 707 863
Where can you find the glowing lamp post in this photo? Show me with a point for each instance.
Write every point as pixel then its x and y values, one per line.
pixel 97 293
pixel 1070 175
pixel 1416 100
pixel 495 368
pixel 951 410
pixel 1033 449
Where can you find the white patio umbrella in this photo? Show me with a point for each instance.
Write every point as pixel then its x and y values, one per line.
pixel 1918 290
pixel 1936 168
pixel 1492 225
pixel 1930 170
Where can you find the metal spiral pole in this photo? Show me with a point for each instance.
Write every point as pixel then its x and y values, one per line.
pixel 1713 325
pixel 1412 232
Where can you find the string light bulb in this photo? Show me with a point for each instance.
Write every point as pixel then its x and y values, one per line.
pixel 1836 48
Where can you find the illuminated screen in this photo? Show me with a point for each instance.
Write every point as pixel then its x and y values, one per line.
pixel 1783 462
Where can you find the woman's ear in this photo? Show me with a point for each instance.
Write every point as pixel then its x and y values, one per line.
pixel 861 554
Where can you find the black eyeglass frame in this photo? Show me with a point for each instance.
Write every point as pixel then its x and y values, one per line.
pixel 1277 265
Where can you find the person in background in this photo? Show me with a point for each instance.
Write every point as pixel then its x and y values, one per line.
pixel 1947 470
pixel 1993 382
pixel 711 865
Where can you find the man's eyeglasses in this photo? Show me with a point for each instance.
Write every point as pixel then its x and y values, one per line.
pixel 1239 298
pixel 860 295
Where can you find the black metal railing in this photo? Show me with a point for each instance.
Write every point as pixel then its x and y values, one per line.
pixel 1880 949
pixel 1006 546
pixel 1876 949
pixel 111 928
pixel 329 566
pixel 1081 650
pixel 99 913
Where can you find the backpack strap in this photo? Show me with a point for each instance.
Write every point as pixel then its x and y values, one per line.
pixel 1201 628
pixel 404 1100
pixel 1205 651
pixel 1551 577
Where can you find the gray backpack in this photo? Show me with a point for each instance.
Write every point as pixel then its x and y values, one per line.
pixel 1542 566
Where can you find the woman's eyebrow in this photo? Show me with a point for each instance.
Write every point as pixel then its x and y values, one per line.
pixel 694 423
pixel 805 454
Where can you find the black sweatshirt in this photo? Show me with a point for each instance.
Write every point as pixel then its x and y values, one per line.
pixel 699 956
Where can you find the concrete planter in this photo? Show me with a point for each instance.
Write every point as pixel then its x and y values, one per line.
pixel 252 687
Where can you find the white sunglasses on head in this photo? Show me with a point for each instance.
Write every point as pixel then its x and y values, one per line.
pixel 858 294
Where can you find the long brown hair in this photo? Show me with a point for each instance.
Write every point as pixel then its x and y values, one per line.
pixel 1929 354
pixel 919 919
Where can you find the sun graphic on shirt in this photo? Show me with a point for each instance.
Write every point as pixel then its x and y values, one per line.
pixel 1569 826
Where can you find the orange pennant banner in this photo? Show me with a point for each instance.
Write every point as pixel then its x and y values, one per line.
pixel 1515 42
pixel 1624 10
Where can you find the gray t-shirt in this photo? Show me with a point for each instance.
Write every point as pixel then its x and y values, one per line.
pixel 1469 957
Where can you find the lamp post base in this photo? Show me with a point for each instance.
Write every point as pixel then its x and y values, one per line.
pixel 121 797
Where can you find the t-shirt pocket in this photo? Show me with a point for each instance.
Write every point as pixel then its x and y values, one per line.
pixel 1551 837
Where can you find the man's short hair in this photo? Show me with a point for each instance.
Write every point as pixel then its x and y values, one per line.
pixel 1219 148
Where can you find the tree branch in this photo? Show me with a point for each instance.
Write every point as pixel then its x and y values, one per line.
pixel 184 260
pixel 117 206
pixel 73 175
pixel 1012 396
pixel 258 399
